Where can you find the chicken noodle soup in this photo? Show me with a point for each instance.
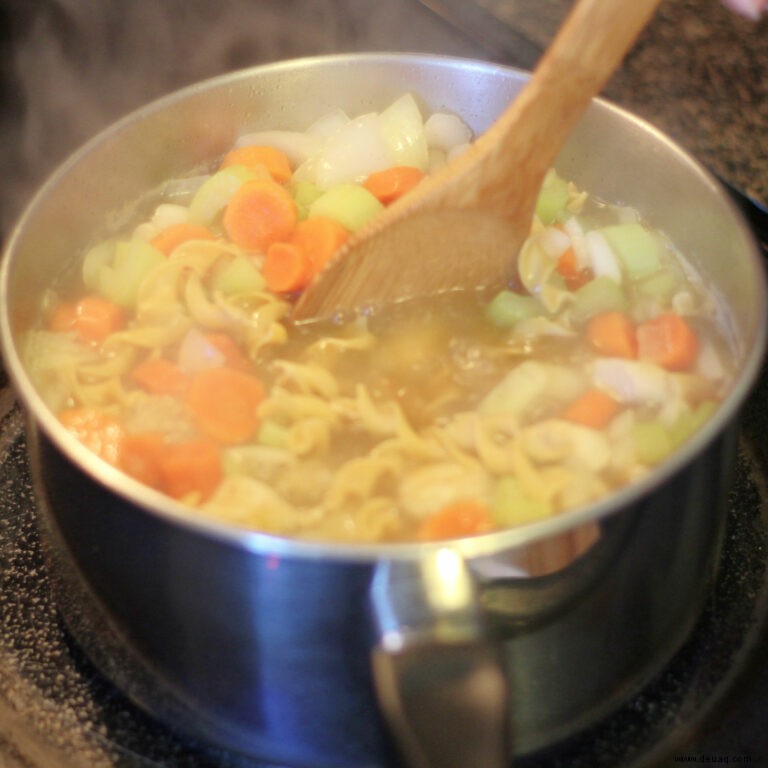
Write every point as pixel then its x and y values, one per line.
pixel 172 354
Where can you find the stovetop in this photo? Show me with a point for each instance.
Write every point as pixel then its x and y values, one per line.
pixel 698 73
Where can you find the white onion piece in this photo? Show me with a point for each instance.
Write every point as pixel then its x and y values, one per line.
pixel 578 242
pixel 197 354
pixel 328 124
pixel 457 150
pixel 403 129
pixel 602 259
pixel 445 131
pixel 168 215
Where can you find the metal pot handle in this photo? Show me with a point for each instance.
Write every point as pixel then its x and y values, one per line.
pixel 438 674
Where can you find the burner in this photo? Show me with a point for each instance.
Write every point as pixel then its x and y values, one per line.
pixel 56 709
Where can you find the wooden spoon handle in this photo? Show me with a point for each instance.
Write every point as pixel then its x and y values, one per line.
pixel 586 51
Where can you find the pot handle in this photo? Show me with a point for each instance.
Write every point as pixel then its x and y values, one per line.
pixel 438 674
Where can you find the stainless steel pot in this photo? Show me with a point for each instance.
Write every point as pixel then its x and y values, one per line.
pixel 316 655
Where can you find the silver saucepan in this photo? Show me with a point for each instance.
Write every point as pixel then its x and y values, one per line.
pixel 317 655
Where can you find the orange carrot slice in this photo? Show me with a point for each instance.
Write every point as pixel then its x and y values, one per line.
pixel 260 213
pixel 93 317
pixel 191 468
pixel 159 376
pixel 668 341
pixel 286 268
pixel 594 409
pixel 461 518
pixel 96 430
pixel 224 404
pixel 612 334
pixel 255 156
pixel 320 237
pixel 391 183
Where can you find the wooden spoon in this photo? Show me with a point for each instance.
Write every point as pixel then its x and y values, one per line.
pixel 464 226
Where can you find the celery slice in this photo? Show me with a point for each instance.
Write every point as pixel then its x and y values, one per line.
pixel 304 194
pixel 599 295
pixel 507 308
pixel 553 197
pixel 660 284
pixel 238 276
pixel 133 260
pixel 689 422
pixel 510 505
pixel 652 442
pixel 215 192
pixel 636 246
pixel 350 204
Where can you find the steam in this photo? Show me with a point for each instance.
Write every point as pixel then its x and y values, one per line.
pixel 78 65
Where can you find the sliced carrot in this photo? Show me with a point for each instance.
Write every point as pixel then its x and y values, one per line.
pixel 93 317
pixel 183 469
pixel 234 357
pixel 171 237
pixel 261 212
pixel 612 334
pixel 594 409
pixel 96 430
pixel 668 341
pixel 140 457
pixel 286 268
pixel 159 376
pixel 224 404
pixel 320 237
pixel 391 183
pixel 191 468
pixel 461 518
pixel 254 156
pixel 568 267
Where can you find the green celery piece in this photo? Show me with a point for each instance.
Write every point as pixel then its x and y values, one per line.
pixel 689 422
pixel 215 192
pixel 239 276
pixel 304 194
pixel 507 308
pixel 133 261
pixel 599 295
pixel 660 284
pixel 652 442
pixel 511 506
pixel 350 204
pixel 553 197
pixel 637 248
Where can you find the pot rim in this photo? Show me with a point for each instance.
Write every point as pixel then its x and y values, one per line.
pixel 175 513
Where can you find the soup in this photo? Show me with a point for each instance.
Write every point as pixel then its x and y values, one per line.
pixel 172 355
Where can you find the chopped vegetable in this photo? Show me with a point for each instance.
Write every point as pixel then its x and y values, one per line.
pixel 93 317
pixel 461 518
pixel 170 238
pixel 233 355
pixel 636 246
pixel 159 376
pixel 224 404
pixel 216 191
pixel 260 213
pixel 391 183
pixel 575 275
pixel 96 430
pixel 508 308
pixel 652 442
pixel 349 204
pixel 286 268
pixel 119 276
pixel 667 340
pixel 613 334
pixel 553 196
pixel 597 296
pixel 594 408
pixel 319 237
pixel 240 275
pixel 510 505
pixel 254 156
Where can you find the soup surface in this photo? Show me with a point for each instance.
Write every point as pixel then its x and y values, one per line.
pixel 172 355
